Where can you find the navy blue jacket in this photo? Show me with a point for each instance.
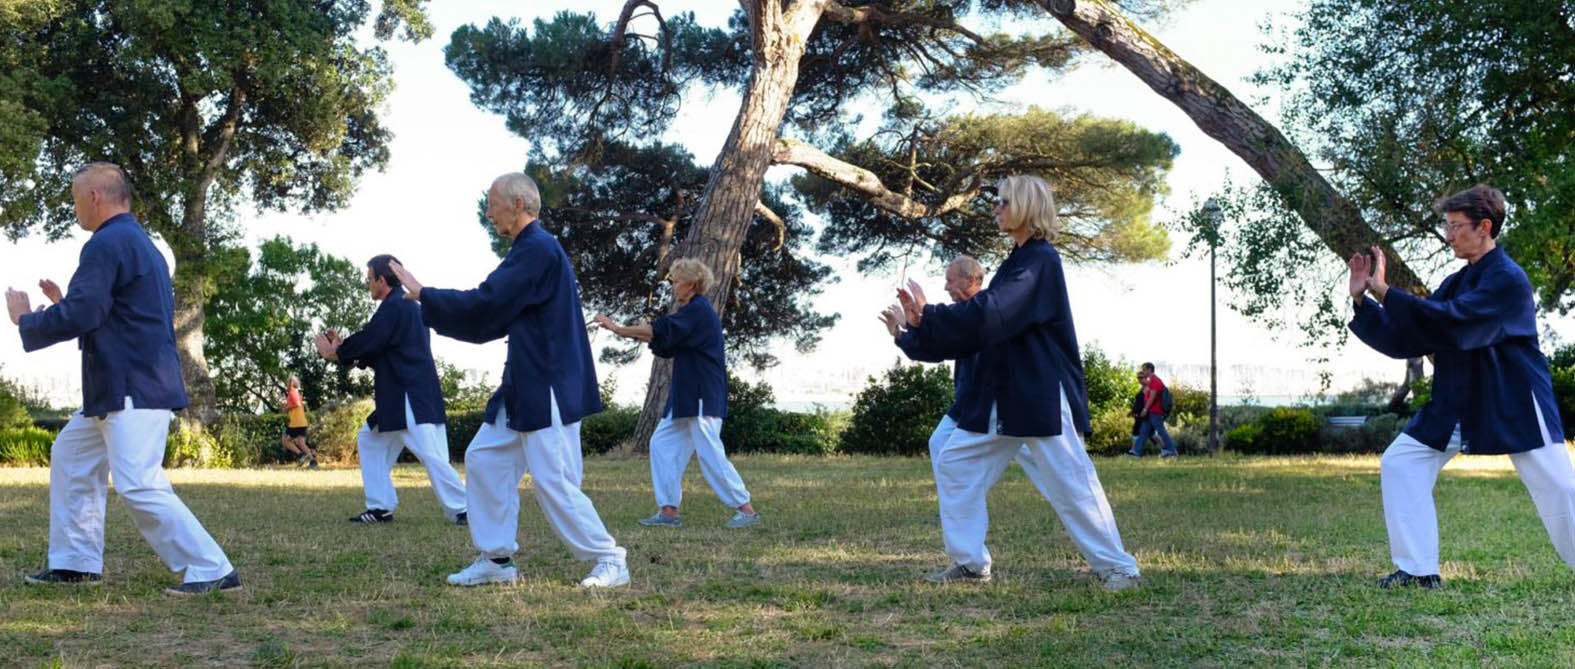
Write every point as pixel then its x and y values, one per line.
pixel 692 337
pixel 962 370
pixel 533 299
pixel 120 308
pixel 1480 326
pixel 1021 328
pixel 398 348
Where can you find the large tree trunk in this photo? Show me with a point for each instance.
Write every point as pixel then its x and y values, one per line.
pixel 1332 217
pixel 1335 219
pixel 190 297
pixel 728 204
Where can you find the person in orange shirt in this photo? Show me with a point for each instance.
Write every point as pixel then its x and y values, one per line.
pixel 294 439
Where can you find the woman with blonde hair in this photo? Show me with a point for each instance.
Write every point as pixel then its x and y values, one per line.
pixel 1027 389
pixel 696 400
pixel 294 438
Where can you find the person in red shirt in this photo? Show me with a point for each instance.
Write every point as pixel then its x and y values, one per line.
pixel 1151 417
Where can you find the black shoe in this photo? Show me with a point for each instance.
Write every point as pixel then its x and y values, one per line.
pixel 1401 579
pixel 63 577
pixel 312 464
pixel 231 582
pixel 371 516
pixel 462 519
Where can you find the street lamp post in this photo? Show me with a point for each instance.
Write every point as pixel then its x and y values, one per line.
pixel 1212 215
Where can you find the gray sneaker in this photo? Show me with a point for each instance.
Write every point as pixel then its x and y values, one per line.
pixel 662 519
pixel 958 573
pixel 741 519
pixel 1116 581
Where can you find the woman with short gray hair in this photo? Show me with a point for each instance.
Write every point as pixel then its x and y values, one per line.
pixel 696 401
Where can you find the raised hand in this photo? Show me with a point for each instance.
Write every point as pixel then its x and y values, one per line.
pixel 408 280
pixel 893 317
pixel 326 345
pixel 17 305
pixel 1360 272
pixel 51 290
pixel 1375 279
pixel 606 322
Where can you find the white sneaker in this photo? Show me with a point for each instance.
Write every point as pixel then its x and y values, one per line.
pixel 1116 581
pixel 484 571
pixel 607 574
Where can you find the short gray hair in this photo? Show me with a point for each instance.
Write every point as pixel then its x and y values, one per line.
pixel 518 185
pixel 968 267
pixel 108 178
pixel 693 271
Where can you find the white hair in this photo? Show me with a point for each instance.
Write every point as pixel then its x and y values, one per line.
pixel 519 186
pixel 1030 202
pixel 968 267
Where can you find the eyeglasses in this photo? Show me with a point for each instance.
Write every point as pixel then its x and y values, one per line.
pixel 1457 228
pixel 1001 203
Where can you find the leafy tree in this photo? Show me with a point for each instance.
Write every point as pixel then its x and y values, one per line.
pixel 264 314
pixel 210 107
pixel 1410 100
pixel 619 220
pixel 579 88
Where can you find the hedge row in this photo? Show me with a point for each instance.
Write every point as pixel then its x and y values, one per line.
pixel 247 440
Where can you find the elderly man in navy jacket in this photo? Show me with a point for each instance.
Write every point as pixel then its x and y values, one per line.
pixel 1492 392
pixel 964 279
pixel 532 422
pixel 119 307
pixel 409 400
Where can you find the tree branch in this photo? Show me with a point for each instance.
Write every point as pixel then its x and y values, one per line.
pixel 865 182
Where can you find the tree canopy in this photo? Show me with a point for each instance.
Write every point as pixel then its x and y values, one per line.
pixel 210 107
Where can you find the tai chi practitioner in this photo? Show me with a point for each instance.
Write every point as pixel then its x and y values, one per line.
pixel 964 279
pixel 1492 390
pixel 409 407
pixel 696 400
pixel 1027 388
pixel 120 308
pixel 532 424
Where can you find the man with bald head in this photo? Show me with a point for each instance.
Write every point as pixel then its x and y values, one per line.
pixel 532 424
pixel 964 279
pixel 119 307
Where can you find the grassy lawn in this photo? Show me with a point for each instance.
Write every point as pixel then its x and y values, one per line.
pixel 1266 562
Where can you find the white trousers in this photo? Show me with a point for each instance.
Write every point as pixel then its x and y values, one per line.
pixel 1409 469
pixel 379 451
pixel 673 444
pixel 1024 458
pixel 495 462
pixel 130 445
pixel 970 463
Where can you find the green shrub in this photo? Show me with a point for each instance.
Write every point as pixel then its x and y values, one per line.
pixel 12 413
pixel 331 429
pixel 609 429
pixel 1564 396
pixel 1112 432
pixel 25 446
pixel 895 415
pixel 1284 430
pixel 768 430
pixel 1110 383
pixel 461 427
pixel 1243 438
pixel 1371 437
pixel 1421 391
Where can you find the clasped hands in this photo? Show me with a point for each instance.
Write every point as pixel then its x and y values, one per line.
pixel 1367 275
pixel 327 343
pixel 908 310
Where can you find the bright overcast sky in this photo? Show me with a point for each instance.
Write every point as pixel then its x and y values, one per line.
pixel 445 152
